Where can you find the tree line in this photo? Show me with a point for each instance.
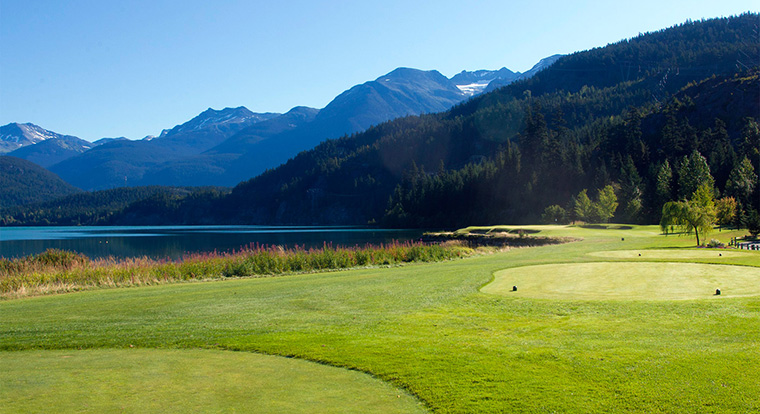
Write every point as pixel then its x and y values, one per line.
pixel 638 116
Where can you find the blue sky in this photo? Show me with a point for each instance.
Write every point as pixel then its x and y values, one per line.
pixel 132 68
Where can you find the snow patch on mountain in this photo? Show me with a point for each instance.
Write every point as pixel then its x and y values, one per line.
pixel 472 89
pixel 475 82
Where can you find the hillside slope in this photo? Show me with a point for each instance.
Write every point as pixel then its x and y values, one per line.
pixel 123 162
pixel 23 182
pixel 251 151
pixel 569 127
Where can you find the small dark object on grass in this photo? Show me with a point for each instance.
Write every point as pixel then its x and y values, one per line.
pixel 622 239
pixel 639 254
pixel 717 291
pixel 720 254
pixel 514 288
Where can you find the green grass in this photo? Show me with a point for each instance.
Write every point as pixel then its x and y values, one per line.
pixel 673 254
pixel 428 329
pixel 187 381
pixel 615 280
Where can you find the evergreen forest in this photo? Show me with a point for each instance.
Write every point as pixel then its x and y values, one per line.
pixel 650 119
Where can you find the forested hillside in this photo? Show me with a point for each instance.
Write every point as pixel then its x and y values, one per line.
pixel 613 115
pixel 24 182
pixel 642 117
pixel 105 207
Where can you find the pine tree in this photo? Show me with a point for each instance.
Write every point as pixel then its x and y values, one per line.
pixel 535 140
pixel 721 155
pixel 630 191
pixel 750 146
pixel 693 172
pixel 663 184
pixel 634 145
pixel 742 182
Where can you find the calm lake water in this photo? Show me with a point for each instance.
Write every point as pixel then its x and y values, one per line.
pixel 175 241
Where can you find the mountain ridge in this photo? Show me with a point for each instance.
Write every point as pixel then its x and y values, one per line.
pixel 588 121
pixel 198 152
pixel 124 162
pixel 401 92
pixel 16 135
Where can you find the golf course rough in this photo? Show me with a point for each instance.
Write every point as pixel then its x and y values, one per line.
pixel 626 281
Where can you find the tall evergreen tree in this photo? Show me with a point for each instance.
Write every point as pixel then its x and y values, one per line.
pixel 742 182
pixel 631 191
pixel 663 184
pixel 535 139
pixel 720 154
pixel 693 171
pixel 750 145
pixel 634 145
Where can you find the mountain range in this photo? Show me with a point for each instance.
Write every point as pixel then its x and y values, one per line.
pixel 36 144
pixel 632 115
pixel 224 147
pixel 636 115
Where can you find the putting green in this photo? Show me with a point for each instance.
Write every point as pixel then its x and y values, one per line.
pixel 626 280
pixel 671 254
pixel 184 381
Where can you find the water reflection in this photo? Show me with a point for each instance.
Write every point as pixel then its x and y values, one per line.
pixel 175 241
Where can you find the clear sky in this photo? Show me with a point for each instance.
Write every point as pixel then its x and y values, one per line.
pixel 102 68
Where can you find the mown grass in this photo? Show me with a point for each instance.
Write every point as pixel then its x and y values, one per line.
pixel 627 281
pixel 427 328
pixel 187 381
pixel 56 271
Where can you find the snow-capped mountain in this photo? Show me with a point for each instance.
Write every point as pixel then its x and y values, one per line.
pixel 39 145
pixel 475 82
pixel 223 147
pixel 14 136
pixel 403 91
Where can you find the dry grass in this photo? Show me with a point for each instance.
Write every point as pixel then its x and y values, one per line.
pixel 57 271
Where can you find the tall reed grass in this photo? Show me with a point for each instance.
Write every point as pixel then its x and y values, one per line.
pixel 58 271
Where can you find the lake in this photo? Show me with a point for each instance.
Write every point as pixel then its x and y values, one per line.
pixel 173 242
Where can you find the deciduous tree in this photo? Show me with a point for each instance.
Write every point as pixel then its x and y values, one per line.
pixel 725 210
pixel 606 203
pixel 696 214
pixel 554 214
pixel 601 210
pixel 584 208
